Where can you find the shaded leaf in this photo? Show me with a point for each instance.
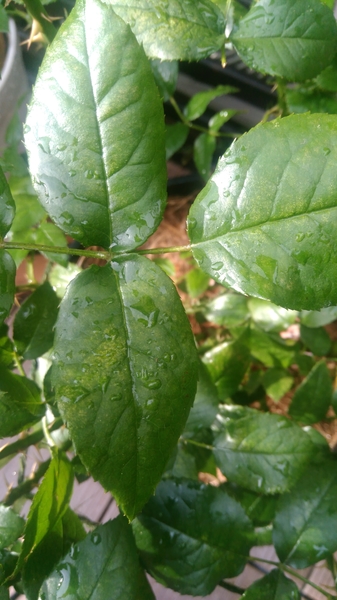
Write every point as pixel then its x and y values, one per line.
pixel 313 397
pixel 318 318
pixel 277 382
pixel 165 74
pixel 7 204
pixel 307 99
pixel 103 565
pixel 178 30
pixel 260 509
pixel 176 136
pixel 220 118
pixel 3 20
pixel 95 132
pixel 227 364
pixel 316 339
pixel 125 373
pixel 263 452
pixel 60 277
pixel 7 284
pixel 305 525
pixel 34 322
pixel 205 406
pixel 196 282
pixel 294 40
pixel 4 593
pixel 199 102
pixel 327 79
pixel 190 536
pixel 293 234
pixel 29 211
pixel 203 150
pixel 274 586
pixel 11 526
pixel 20 403
pixel 270 349
pixel 48 507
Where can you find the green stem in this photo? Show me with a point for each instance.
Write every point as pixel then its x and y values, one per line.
pixel 18 364
pixel 56 250
pixel 198 127
pixel 281 96
pixel 231 588
pixel 38 12
pixel 194 443
pixel 30 440
pixel 104 254
pixel 24 488
pixel 292 572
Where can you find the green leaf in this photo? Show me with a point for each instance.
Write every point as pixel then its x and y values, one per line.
pixel 95 132
pixel 176 136
pixel 50 235
pixel 220 118
pixel 228 310
pixel 8 562
pixel 48 507
pixel 305 525
pixel 293 235
pixel 270 317
pixel 197 282
pixel 60 277
pixel 34 322
pixel 20 403
pixel 103 565
pixel 125 367
pixel 205 406
pixel 7 204
pixel 294 40
pixel 274 586
pixel 11 526
pixel 318 318
pixel 199 102
pixel 29 211
pixel 307 99
pixel 277 382
pixel 313 397
pixel 270 349
pixel 179 30
pixel 3 20
pixel 165 75
pixel 6 347
pixel 263 452
pixel 317 340
pixel 227 364
pixel 327 79
pixel 73 530
pixel 190 536
pixel 4 591
pixel 260 509
pixel 7 284
pixel 203 150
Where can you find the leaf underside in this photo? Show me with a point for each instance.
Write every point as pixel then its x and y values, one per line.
pixel 265 224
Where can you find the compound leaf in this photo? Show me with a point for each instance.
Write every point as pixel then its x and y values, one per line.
pixel 175 30
pixel 190 536
pixel 265 224
pixel 95 132
pixel 262 452
pixel 295 40
pixel 125 374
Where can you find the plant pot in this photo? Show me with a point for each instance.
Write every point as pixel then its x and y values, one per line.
pixel 13 82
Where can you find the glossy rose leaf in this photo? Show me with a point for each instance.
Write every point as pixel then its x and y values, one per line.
pixel 95 132
pixel 175 30
pixel 125 374
pixel 190 536
pixel 294 40
pixel 274 586
pixel 103 565
pixel 305 525
pixel 265 224
pixel 262 452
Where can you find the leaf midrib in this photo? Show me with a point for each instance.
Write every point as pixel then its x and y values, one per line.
pixel 259 225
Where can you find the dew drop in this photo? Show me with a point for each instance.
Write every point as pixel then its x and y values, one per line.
pixel 96 538
pixel 153 384
pixel 192 223
pixel 217 266
pixel 300 237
